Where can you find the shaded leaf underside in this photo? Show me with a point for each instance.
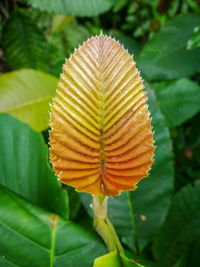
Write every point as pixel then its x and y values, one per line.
pixel 101 138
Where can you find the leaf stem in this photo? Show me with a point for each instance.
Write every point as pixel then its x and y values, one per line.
pixel 103 226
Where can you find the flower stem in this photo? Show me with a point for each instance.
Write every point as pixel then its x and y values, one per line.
pixel 103 226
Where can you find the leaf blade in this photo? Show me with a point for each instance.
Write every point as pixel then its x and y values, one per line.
pixel 75 7
pixel 181 226
pixel 24 45
pixel 25 168
pixel 101 138
pixel 164 57
pixel 112 259
pixel 174 98
pixel 26 94
pixel 72 242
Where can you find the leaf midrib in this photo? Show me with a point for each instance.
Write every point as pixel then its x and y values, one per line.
pixel 101 109
pixel 54 223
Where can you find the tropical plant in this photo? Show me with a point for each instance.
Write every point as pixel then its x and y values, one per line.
pixel 44 222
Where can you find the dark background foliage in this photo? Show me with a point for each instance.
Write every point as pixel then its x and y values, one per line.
pixel 43 223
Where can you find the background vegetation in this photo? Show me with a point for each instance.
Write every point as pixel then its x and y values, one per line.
pixel 44 224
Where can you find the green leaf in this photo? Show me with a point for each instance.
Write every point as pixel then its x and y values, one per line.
pixel 140 260
pixel 34 237
pixel 74 202
pixel 24 166
pixel 194 40
pixel 76 7
pixel 112 259
pixel 138 215
pixel 26 95
pixel 60 22
pixel 119 4
pixel 57 56
pixel 165 56
pixel 181 226
pixel 23 44
pixel 191 257
pixel 178 100
pixel 121 215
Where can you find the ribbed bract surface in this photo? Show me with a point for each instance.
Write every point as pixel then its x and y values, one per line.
pixel 101 138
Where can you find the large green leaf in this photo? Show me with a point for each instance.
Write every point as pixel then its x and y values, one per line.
pixel 138 215
pixel 165 56
pixel 23 44
pixel 112 259
pixel 181 227
pixel 121 215
pixel 26 94
pixel 178 100
pixel 76 7
pixel 24 166
pixel 34 237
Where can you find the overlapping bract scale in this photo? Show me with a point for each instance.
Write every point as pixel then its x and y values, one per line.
pixel 101 137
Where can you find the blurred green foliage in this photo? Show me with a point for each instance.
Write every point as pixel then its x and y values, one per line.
pixel 159 223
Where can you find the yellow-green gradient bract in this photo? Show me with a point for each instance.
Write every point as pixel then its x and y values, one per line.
pixel 101 136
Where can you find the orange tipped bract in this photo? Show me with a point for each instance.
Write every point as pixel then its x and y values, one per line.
pixel 101 136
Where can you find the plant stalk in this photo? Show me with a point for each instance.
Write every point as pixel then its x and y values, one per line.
pixel 103 226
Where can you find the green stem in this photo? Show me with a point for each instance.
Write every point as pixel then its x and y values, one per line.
pixel 103 226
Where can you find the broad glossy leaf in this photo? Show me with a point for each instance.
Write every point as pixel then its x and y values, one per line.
pixel 31 236
pixel 121 215
pixel 24 166
pixel 138 215
pixel 101 138
pixel 76 7
pixel 152 200
pixel 112 259
pixel 26 95
pixel 74 203
pixel 24 44
pixel 178 100
pixel 181 226
pixel 194 40
pixel 165 56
